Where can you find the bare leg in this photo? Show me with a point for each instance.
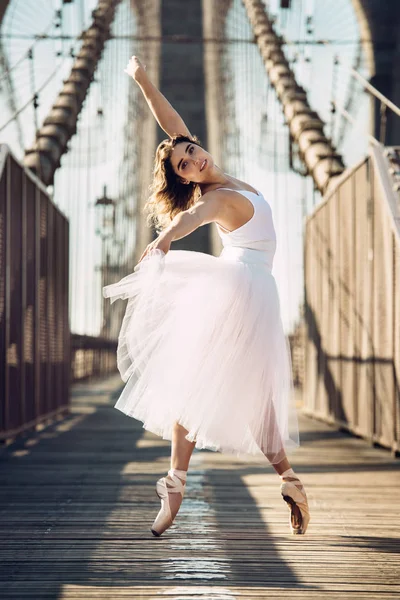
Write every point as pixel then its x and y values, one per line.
pixel 181 452
pixel 280 467
pixel 181 448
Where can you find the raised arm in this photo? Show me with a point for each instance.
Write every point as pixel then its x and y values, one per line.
pixel 166 116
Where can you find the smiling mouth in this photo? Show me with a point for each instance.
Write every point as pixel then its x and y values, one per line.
pixel 203 164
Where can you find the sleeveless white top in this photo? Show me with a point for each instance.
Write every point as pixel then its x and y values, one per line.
pixel 257 234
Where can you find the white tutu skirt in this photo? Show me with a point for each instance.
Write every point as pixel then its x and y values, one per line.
pixel 202 344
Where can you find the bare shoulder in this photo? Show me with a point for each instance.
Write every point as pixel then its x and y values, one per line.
pixel 223 200
pixel 213 198
pixel 210 206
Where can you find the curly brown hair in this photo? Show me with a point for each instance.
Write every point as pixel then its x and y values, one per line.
pixel 169 196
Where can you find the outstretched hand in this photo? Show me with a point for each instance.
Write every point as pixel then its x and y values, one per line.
pixel 162 242
pixel 134 68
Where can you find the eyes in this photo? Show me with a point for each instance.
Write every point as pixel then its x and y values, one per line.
pixel 190 151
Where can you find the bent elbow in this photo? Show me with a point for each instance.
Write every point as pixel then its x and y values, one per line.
pixel 194 217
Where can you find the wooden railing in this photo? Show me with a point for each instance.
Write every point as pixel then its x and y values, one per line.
pixel 92 357
pixel 38 356
pixel 352 304
pixel 34 330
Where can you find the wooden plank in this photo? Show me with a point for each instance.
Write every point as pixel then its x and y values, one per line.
pixel 77 501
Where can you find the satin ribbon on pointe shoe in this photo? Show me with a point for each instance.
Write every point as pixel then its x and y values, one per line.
pixel 294 495
pixel 165 486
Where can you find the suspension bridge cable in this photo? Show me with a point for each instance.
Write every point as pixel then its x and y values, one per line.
pixel 350 93
pixel 333 97
pixel 27 53
pixel 372 90
pixel 40 89
pixel 355 123
pixel 35 96
pixel 22 108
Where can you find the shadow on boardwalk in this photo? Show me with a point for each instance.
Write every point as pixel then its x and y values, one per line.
pixel 77 501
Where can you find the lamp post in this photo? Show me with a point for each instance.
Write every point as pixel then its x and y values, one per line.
pixel 105 229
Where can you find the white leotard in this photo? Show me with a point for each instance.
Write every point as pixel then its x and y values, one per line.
pixel 258 233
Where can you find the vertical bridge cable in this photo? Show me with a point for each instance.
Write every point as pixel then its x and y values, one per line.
pixel 35 102
pixel 9 84
pixel 348 105
pixel 306 127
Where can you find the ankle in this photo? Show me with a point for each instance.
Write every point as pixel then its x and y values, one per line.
pixel 289 473
pixel 290 476
pixel 178 473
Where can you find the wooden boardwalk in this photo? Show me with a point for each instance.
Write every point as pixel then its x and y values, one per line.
pixel 77 500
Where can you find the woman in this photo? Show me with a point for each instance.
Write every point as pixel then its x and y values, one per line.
pixel 202 347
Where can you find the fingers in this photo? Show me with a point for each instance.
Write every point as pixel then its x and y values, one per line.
pixel 130 67
pixel 136 62
pixel 143 255
pixel 148 248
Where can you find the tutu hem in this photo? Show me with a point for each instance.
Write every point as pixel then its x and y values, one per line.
pixel 201 443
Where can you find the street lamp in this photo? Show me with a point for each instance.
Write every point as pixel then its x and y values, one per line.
pixel 105 228
pixel 105 220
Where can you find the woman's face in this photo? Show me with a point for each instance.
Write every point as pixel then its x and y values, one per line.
pixel 191 162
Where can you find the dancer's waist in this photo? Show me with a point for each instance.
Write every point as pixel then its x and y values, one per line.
pixel 248 255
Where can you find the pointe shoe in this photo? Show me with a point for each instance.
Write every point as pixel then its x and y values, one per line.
pixel 294 495
pixel 165 486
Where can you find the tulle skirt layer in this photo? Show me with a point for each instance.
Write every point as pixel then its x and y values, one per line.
pixel 202 344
